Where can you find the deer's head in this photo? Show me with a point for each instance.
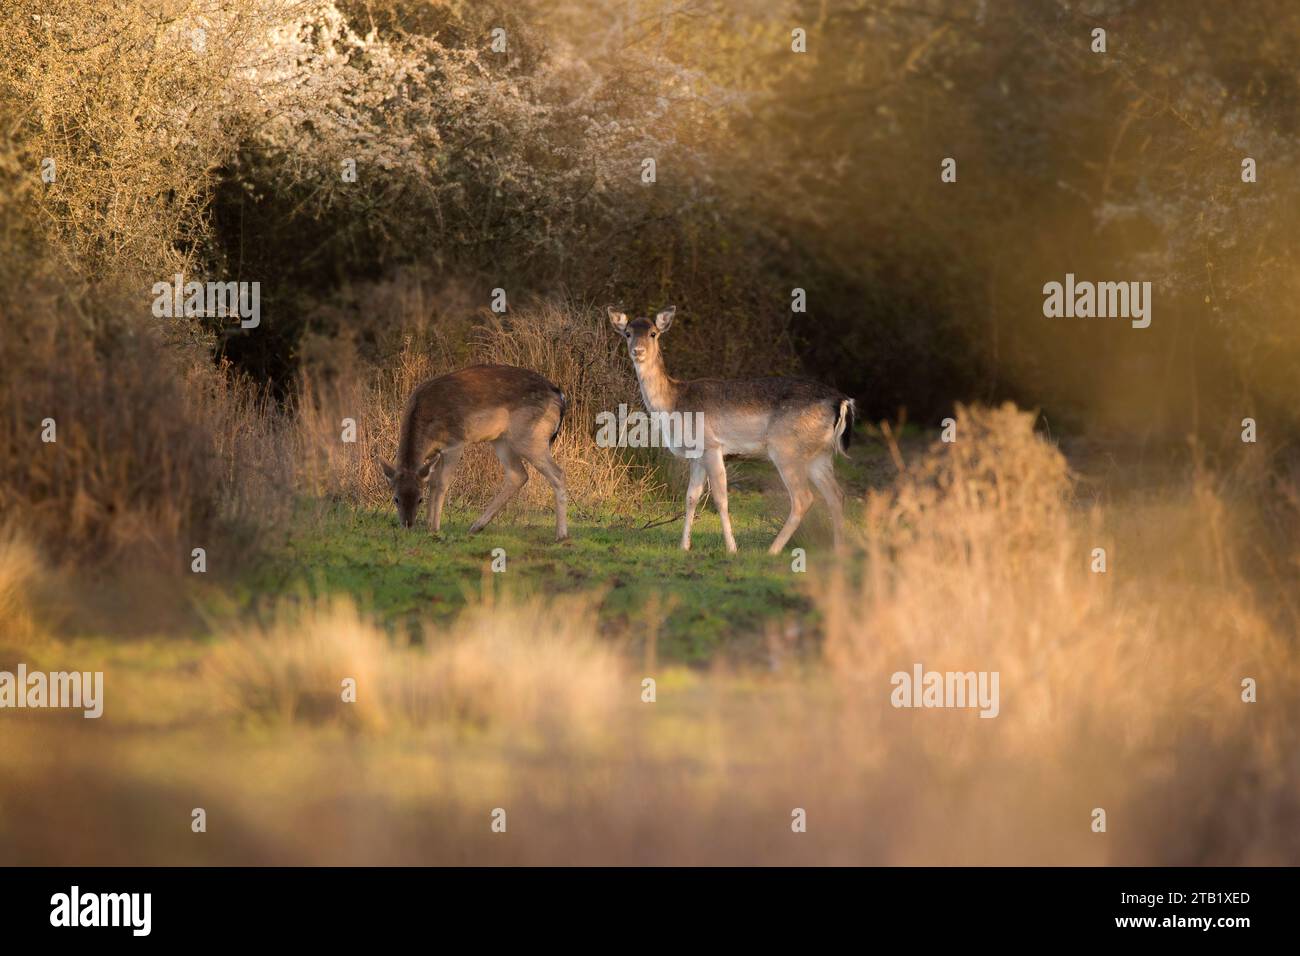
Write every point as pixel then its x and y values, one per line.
pixel 642 334
pixel 408 485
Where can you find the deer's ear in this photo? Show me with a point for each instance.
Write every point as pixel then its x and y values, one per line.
pixel 665 318
pixel 617 319
pixel 427 468
pixel 389 471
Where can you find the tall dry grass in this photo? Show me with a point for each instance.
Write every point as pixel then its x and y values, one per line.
pixel 22 573
pixel 526 667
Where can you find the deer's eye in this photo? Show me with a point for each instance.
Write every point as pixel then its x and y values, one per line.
pixel 396 501
pixel 654 335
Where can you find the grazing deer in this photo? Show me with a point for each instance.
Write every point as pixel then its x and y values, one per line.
pixel 518 411
pixel 797 423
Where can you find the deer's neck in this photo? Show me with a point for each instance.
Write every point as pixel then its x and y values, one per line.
pixel 658 389
pixel 410 438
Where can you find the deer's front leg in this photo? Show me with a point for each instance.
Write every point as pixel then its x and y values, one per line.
pixel 438 485
pixel 717 471
pixel 693 491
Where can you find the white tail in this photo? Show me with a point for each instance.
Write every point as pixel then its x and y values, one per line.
pixel 844 426
pixel 798 424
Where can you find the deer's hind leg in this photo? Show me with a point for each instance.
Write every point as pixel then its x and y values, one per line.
pixel 823 476
pixel 545 463
pixel 794 473
pixel 532 440
pixel 516 476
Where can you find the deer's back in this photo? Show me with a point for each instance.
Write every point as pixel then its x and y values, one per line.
pixel 753 394
pixel 750 416
pixel 477 403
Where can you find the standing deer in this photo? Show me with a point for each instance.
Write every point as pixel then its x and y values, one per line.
pixel 518 411
pixel 797 423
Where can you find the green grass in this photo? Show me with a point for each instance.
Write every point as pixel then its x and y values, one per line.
pixel 696 603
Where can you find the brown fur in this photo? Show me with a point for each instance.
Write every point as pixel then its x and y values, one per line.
pixel 797 423
pixel 516 410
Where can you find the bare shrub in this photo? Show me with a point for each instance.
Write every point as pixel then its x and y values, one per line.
pixel 134 118
pixel 155 450
pixel 129 466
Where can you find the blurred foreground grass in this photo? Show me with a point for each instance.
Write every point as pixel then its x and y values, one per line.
pixel 1120 691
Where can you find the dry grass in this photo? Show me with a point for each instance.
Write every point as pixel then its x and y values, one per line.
pixel 22 572
pixel 251 441
pixel 527 667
